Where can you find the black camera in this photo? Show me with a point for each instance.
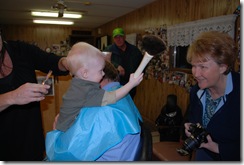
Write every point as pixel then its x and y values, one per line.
pixel 198 136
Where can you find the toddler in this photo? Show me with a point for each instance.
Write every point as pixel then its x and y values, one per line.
pixel 86 64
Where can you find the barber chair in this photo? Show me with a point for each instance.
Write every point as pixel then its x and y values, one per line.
pixel 145 150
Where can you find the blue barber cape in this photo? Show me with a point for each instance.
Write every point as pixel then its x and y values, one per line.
pixel 95 130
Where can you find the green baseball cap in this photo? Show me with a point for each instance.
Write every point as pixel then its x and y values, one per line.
pixel 118 31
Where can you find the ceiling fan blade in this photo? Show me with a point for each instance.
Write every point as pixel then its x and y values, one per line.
pixel 76 11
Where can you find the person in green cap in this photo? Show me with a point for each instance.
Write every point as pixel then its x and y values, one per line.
pixel 125 57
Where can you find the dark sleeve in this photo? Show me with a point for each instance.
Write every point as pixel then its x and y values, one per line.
pixel 38 58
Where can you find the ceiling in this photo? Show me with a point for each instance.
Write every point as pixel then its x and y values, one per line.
pixel 96 14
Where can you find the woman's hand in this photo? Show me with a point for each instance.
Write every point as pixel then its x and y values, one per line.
pixel 210 145
pixel 63 64
pixel 29 92
pixel 187 127
pixel 26 93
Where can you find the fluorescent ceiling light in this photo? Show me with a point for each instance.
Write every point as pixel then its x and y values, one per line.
pixel 53 14
pixel 53 22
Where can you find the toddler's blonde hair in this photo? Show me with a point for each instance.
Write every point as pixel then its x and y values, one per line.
pixel 82 54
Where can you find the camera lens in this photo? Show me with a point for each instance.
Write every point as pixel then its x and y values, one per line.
pixel 198 136
pixel 190 144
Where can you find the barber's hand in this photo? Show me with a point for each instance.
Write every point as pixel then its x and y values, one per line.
pixel 135 81
pixel 63 64
pixel 29 92
pixel 210 145
pixel 121 70
pixel 187 127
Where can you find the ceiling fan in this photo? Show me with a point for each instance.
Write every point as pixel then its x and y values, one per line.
pixel 61 7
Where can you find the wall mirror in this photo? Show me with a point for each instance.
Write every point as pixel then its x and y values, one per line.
pixel 178 58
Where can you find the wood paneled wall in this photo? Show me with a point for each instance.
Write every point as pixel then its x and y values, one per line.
pixel 151 95
pixel 169 12
pixel 43 35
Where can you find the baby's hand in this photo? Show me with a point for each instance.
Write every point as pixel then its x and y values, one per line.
pixel 135 81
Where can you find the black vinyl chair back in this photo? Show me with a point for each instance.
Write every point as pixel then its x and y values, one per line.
pixel 145 151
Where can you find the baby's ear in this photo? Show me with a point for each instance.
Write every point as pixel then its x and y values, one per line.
pixel 82 73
